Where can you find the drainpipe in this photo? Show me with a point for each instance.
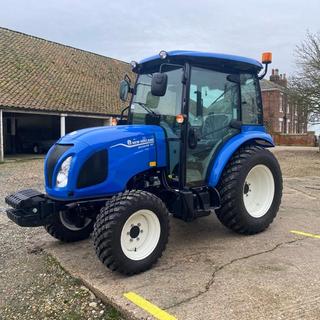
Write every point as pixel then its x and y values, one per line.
pixel 1 137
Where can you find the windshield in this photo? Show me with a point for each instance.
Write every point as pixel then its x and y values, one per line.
pixel 167 106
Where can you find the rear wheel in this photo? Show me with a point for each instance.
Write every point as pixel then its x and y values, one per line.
pixel 251 190
pixel 131 231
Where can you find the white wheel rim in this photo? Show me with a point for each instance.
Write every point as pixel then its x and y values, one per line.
pixel 71 226
pixel 140 234
pixel 258 191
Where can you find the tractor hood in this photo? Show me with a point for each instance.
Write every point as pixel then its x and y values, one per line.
pixel 108 135
pixel 103 159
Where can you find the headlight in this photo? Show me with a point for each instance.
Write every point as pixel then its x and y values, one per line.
pixel 62 177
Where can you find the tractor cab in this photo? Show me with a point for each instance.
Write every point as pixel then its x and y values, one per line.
pixel 201 100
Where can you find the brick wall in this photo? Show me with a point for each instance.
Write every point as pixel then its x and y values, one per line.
pixel 306 139
pixel 271 107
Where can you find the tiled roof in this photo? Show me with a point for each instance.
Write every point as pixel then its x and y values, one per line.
pixel 270 85
pixel 42 75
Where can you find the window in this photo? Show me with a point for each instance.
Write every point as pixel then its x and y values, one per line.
pixel 167 106
pixel 288 108
pixel 212 92
pixel 280 124
pixel 281 102
pixel 251 104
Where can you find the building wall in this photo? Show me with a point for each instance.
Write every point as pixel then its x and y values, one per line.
pixel 300 139
pixel 279 114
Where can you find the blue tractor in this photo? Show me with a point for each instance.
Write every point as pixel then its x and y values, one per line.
pixel 191 142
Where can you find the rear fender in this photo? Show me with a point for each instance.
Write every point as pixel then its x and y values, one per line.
pixel 231 146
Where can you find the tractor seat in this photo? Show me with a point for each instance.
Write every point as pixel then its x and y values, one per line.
pixel 212 124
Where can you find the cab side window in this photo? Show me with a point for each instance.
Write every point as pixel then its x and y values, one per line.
pixel 251 104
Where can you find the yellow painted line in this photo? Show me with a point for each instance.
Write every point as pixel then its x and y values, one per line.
pixel 148 306
pixel 301 233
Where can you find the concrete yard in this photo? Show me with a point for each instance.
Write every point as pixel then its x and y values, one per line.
pixel 208 272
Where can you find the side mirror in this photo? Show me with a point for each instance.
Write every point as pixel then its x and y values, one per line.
pixel 159 84
pixel 124 90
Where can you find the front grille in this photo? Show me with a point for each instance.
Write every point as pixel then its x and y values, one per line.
pixel 57 151
pixel 94 170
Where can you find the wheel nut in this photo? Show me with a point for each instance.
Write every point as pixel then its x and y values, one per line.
pixel 128 233
pixel 141 231
pixel 138 239
pixel 139 224
pixel 131 240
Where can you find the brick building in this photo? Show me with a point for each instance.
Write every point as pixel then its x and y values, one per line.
pixel 279 114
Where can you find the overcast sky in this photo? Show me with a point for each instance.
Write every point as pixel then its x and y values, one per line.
pixel 131 30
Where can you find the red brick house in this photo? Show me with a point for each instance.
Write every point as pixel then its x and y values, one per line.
pixel 279 114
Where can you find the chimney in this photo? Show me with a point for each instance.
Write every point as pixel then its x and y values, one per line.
pixel 281 79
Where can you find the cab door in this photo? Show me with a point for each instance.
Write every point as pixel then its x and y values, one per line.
pixel 213 104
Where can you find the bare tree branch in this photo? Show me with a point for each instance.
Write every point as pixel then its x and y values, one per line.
pixel 304 86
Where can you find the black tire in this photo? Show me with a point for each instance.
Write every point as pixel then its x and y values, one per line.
pixel 233 213
pixel 60 231
pixel 111 221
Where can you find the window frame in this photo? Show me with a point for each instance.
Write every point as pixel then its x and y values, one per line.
pixel 259 95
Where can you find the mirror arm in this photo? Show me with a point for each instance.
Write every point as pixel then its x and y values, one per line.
pixel 126 77
pixel 264 72
pixel 123 110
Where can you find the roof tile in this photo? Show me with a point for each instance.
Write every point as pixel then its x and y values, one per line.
pixel 42 75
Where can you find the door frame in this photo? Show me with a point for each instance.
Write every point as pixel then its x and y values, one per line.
pixel 185 128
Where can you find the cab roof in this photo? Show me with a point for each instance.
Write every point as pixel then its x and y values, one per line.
pixel 205 59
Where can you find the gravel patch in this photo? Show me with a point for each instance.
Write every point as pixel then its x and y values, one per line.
pixel 32 283
pixel 298 161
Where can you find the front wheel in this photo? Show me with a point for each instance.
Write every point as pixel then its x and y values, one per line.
pixel 68 226
pixel 131 231
pixel 251 190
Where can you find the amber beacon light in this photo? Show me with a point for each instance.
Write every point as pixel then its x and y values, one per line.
pixel 267 57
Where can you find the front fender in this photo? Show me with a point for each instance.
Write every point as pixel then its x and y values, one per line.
pixel 228 149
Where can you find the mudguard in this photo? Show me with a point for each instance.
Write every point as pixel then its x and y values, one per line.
pixel 255 134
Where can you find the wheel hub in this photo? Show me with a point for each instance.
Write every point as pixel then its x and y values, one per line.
pixel 258 191
pixel 73 220
pixel 140 234
pixel 246 188
pixel 134 232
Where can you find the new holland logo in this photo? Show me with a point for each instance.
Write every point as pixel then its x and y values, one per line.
pixel 143 142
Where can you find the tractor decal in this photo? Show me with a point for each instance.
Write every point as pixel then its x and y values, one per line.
pixel 139 143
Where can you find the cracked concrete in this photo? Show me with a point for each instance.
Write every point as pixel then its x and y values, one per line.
pixel 208 272
pixel 222 267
